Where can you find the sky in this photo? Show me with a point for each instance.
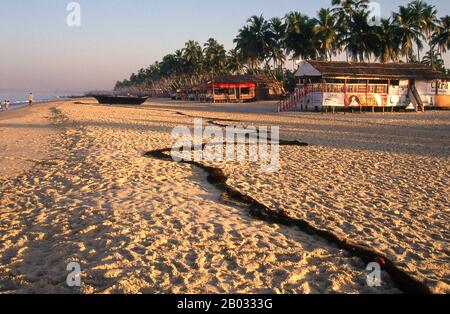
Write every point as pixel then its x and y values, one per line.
pixel 40 52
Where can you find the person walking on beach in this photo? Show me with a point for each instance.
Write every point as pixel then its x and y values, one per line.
pixel 30 99
pixel 7 104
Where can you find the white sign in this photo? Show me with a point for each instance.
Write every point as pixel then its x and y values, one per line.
pixel 333 100
pixel 443 87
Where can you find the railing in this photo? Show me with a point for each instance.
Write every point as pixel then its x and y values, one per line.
pixel 292 100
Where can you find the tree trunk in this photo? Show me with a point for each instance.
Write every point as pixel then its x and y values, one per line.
pixel 418 53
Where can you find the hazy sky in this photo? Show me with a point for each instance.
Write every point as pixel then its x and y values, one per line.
pixel 40 52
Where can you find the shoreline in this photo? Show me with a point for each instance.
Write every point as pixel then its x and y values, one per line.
pixel 26 133
pixel 14 109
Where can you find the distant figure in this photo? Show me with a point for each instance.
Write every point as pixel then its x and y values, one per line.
pixel 7 104
pixel 30 99
pixel 2 107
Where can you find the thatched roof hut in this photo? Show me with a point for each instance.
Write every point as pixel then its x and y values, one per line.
pixel 324 84
pixel 232 88
pixel 405 71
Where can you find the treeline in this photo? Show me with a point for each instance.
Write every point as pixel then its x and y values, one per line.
pixel 414 33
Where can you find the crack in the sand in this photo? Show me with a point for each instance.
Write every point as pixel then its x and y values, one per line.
pixel 217 177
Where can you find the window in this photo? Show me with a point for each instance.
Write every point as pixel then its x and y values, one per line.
pixel 356 82
pixel 245 91
pixel 221 91
pixel 335 81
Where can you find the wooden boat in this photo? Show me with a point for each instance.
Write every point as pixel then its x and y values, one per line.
pixel 120 100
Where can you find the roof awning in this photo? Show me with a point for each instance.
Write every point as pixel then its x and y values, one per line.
pixel 228 85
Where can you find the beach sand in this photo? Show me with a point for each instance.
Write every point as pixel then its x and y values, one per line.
pixel 24 135
pixel 83 191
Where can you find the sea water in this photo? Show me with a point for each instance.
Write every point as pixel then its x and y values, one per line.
pixel 19 99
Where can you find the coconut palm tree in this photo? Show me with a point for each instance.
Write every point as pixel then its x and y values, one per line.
pixel 434 59
pixel 343 11
pixel 300 38
pixel 388 41
pixel 277 48
pixel 430 20
pixel 235 63
pixel 348 7
pixel 326 33
pixel 245 47
pixel 441 35
pixel 254 41
pixel 152 73
pixel 214 57
pixel 169 66
pixel 294 22
pixel 193 59
pixel 423 21
pixel 406 21
pixel 361 39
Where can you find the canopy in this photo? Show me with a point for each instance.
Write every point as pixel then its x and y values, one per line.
pixel 228 85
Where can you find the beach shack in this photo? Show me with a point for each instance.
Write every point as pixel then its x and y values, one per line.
pixel 241 88
pixel 358 86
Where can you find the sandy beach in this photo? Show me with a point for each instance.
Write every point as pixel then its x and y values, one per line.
pixel 76 186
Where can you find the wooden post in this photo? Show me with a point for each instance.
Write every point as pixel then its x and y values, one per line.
pixel 387 92
pixel 214 93
pixel 367 92
pixel 345 94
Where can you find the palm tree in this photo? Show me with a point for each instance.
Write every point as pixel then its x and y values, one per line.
pixel 406 21
pixel 434 59
pixel 244 46
pixel 294 22
pixel 429 17
pixel 167 67
pixel 276 48
pixel 343 11
pixel 254 41
pixel 348 7
pixel 179 62
pixel 214 57
pixel 300 36
pixel 326 33
pixel 361 39
pixel 441 35
pixel 424 21
pixel 388 41
pixel 235 63
pixel 193 58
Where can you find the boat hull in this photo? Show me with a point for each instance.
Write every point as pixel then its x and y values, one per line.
pixel 120 100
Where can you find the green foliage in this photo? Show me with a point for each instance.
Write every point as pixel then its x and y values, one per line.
pixel 264 46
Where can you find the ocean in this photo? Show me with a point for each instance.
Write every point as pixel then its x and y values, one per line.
pixel 20 98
